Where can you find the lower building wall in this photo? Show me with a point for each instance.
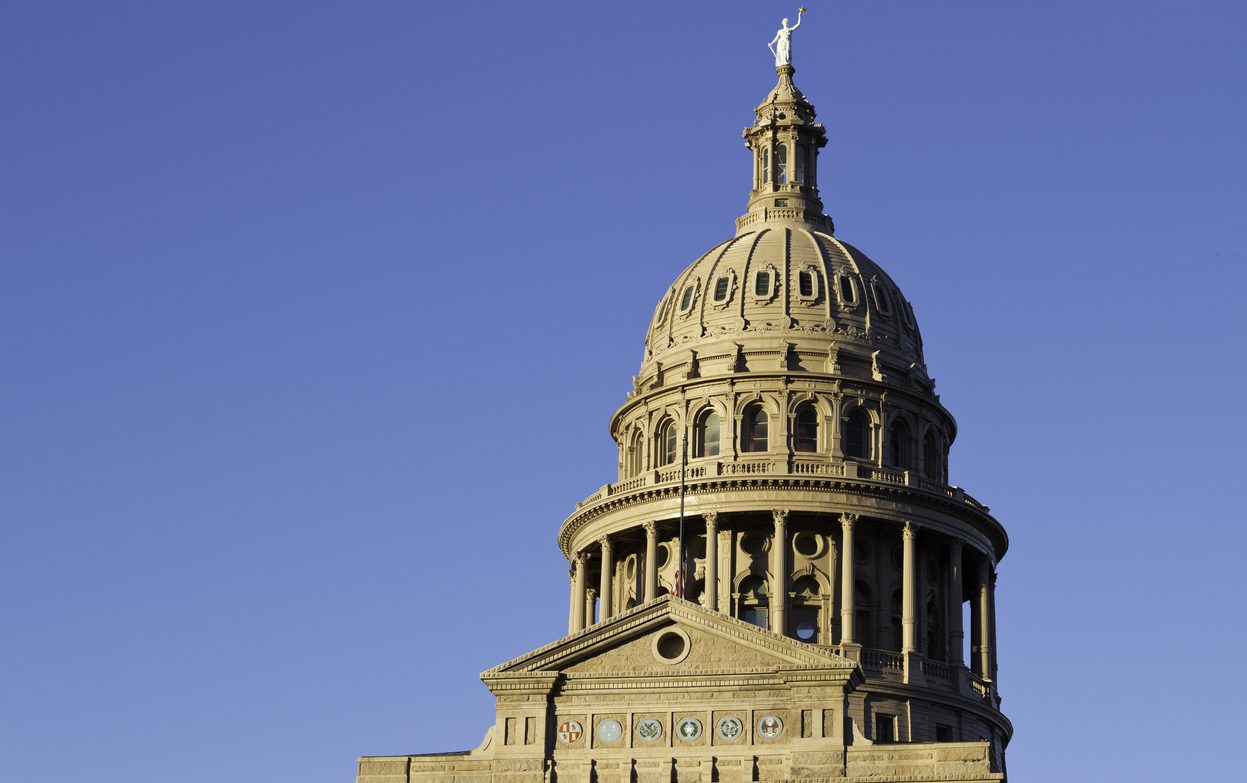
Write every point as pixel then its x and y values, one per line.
pixel 963 762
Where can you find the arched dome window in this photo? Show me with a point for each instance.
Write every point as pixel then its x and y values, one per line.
pixel 805 433
pixel 805 609
pixel 752 606
pixel 766 166
pixel 864 614
pixel 899 453
pixel 808 284
pixel 666 443
pixel 800 164
pixel 932 466
pixel 753 429
pixel 706 435
pixel 635 454
pixel 781 164
pixel 855 441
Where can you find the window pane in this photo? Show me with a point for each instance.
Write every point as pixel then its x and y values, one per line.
pixel 805 624
pixel 762 284
pixel 806 436
pixel 720 288
pixel 710 435
pixel 846 288
pixel 806 283
pixel 687 299
pixel 781 164
pixel 755 615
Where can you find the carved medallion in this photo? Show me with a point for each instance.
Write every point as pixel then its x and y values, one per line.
pixel 649 730
pixel 770 727
pixel 689 729
pixel 729 728
pixel 610 731
pixel 570 731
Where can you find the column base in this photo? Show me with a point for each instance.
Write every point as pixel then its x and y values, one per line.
pixel 913 669
pixel 851 650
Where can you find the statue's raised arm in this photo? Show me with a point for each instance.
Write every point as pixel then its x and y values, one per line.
pixel 781 44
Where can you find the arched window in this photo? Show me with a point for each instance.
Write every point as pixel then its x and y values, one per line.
pixel 753 426
pixel 766 166
pixel 753 601
pixel 898 453
pixel 800 164
pixel 636 454
pixel 665 443
pixel 808 284
pixel 935 634
pixel 805 609
pixel 931 462
pixel 855 441
pixel 781 164
pixel 805 434
pixel 864 614
pixel 706 435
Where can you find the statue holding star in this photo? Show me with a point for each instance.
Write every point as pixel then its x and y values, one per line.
pixel 781 44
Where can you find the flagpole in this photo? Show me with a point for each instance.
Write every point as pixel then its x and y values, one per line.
pixel 683 573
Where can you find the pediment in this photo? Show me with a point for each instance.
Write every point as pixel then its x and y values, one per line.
pixel 640 642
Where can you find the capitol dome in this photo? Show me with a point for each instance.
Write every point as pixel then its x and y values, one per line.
pixel 785 295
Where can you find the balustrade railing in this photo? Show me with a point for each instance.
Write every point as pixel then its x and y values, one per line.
pixel 883 660
pixel 796 467
pixel 938 672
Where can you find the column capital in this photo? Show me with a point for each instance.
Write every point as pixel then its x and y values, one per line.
pixel 580 559
pixel 910 530
pixel 651 527
pixel 571 575
pixel 780 515
pixel 592 593
pixel 848 520
pixel 711 517
pixel 605 543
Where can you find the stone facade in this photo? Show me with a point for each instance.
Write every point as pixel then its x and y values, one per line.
pixel 781 584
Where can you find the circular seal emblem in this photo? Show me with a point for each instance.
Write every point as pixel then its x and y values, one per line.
pixel 729 728
pixel 770 727
pixel 609 730
pixel 688 729
pixel 570 731
pixel 649 729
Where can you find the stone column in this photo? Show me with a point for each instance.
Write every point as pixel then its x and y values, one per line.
pixel 991 624
pixel 710 595
pixel 909 590
pixel 591 596
pixel 984 618
pixel 846 579
pixel 578 593
pixel 651 561
pixel 956 635
pixel 607 581
pixel 779 571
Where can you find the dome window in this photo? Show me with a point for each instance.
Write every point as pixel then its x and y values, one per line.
pixel 766 166
pixel 662 309
pixel 666 443
pixel 907 312
pixel 809 284
pixel 688 296
pixel 855 440
pixel 724 285
pixel 847 290
pixel 706 435
pixel 765 283
pixel 753 429
pixel 882 300
pixel 899 449
pixel 805 432
pixel 781 164
pixel 800 164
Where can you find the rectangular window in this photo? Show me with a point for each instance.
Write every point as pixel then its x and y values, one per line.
pixel 755 615
pixel 805 283
pixel 721 288
pixel 847 294
pixel 885 728
pixel 762 284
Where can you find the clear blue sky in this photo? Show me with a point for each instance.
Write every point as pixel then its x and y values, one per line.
pixel 314 314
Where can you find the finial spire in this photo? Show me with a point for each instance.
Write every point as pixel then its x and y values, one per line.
pixel 781 44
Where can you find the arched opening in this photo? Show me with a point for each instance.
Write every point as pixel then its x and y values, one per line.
pixel 855 441
pixel 932 463
pixel 864 614
pixel 706 434
pixel 898 453
pixel 781 164
pixel 936 649
pixel 806 623
pixel 753 602
pixel 635 454
pixel 665 443
pixel 805 429
pixel 800 164
pixel 753 425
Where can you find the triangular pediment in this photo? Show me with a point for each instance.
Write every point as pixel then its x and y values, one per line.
pixel 670 636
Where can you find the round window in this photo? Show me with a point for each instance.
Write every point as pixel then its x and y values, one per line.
pixel 671 646
pixel 753 544
pixel 807 544
pixel 806 630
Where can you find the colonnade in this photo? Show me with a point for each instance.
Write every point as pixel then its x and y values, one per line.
pixel 584 597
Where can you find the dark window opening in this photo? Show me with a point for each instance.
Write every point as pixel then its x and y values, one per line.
pixel 720 288
pixel 754 426
pixel 805 438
